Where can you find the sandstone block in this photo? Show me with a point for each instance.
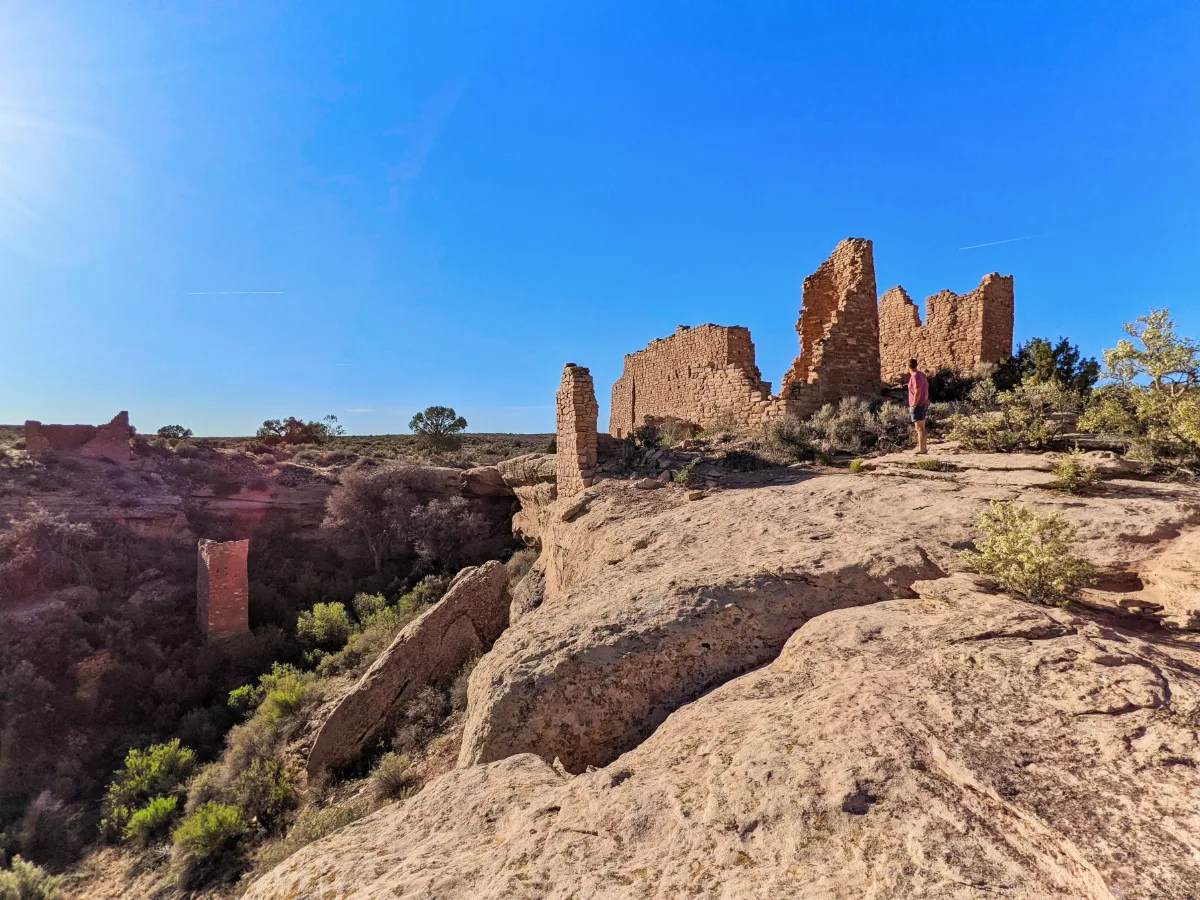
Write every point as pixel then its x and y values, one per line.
pixel 464 623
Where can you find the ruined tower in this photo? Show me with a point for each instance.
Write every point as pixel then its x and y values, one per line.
pixel 576 413
pixel 223 588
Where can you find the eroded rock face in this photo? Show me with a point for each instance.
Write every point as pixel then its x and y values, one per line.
pixel 462 624
pixel 532 479
pixel 649 600
pixel 955 745
pixel 1173 582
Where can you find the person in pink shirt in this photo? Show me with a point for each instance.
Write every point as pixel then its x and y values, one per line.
pixel 918 401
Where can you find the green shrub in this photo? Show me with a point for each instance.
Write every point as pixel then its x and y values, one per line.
pixel 429 590
pixel 520 563
pixel 1040 361
pixel 284 692
pixel 262 792
pixel 791 438
pixel 1029 554
pixel 204 837
pixel 326 626
pixel 685 475
pixel 152 822
pixel 368 642
pixel 1072 475
pixel 1030 417
pixel 648 436
pixel 857 425
pixel 367 606
pixel 25 881
pixel 243 700
pixel 392 777
pixel 929 465
pixel 1154 394
pixel 856 466
pixel 296 431
pixel 174 432
pixel 948 385
pixel 159 771
pixel 438 428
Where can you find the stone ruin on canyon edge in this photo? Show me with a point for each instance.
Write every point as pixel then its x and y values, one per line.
pixel 109 441
pixel 576 412
pixel 851 344
pixel 222 588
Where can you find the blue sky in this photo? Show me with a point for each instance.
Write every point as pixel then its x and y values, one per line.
pixel 456 198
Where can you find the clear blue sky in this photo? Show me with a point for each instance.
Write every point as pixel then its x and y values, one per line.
pixel 455 199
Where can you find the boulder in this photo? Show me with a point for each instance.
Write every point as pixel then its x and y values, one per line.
pixel 955 745
pixel 532 479
pixel 485 481
pixel 463 624
pixel 1172 582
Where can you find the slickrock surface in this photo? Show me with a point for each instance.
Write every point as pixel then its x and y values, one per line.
pixel 462 624
pixel 650 600
pixel 956 745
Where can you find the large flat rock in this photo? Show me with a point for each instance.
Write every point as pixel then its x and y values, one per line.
pixel 650 600
pixel 956 745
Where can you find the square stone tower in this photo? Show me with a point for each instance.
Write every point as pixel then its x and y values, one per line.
pixel 223 588
pixel 576 414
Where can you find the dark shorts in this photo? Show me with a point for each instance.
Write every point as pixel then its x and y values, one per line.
pixel 917 413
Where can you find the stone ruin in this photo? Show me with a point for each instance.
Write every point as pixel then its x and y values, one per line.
pixel 109 441
pixel 961 331
pixel 839 332
pixel 851 344
pixel 576 413
pixel 223 588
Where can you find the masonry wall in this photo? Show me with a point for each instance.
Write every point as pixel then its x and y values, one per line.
pixel 703 376
pixel 850 343
pixel 839 332
pixel 961 331
pixel 223 588
pixel 575 417
pixel 110 441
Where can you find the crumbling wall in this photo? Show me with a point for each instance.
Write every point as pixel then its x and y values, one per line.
pixel 223 588
pixel 576 413
pixel 703 376
pixel 850 342
pixel 961 331
pixel 109 441
pixel 839 332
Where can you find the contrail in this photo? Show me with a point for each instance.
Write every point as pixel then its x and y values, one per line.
pixel 227 293
pixel 994 243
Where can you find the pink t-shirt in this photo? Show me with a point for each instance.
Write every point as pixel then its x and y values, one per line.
pixel 918 389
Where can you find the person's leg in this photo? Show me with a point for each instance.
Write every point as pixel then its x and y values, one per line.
pixel 921 436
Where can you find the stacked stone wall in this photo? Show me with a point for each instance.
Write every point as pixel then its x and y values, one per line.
pixel 223 588
pixel 109 441
pixel 703 376
pixel 961 331
pixel 851 342
pixel 839 332
pixel 575 418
